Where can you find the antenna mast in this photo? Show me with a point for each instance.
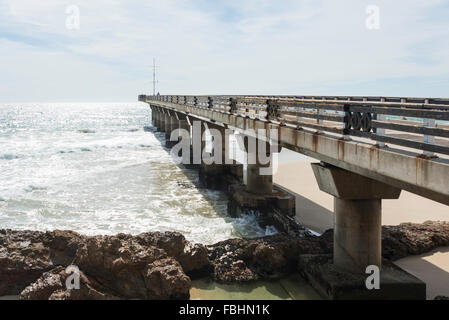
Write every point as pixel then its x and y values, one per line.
pixel 154 77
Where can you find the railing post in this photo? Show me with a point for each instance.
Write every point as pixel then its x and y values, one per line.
pixel 195 101
pixel 210 102
pixel 233 105
pixel 273 110
pixel 381 132
pixel 427 138
pixel 404 100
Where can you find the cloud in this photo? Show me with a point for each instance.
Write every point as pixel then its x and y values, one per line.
pixel 226 47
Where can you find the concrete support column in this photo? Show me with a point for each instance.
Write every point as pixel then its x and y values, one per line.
pixel 162 121
pixel 153 117
pixel 258 183
pixel 166 122
pixel 259 177
pixel 173 124
pixel 184 125
pixel 158 120
pixel 357 216
pixel 357 234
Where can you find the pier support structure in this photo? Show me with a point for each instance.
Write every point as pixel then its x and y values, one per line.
pixel 224 171
pixel 160 120
pixel 358 216
pixel 259 195
pixel 171 126
pixel 357 242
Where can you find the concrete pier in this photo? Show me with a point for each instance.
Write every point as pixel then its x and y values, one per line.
pixel 223 172
pixel 173 124
pixel 154 117
pixel 258 183
pixel 358 216
pixel 160 121
pixel 357 241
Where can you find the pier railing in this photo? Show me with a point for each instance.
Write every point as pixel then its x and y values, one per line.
pixel 416 123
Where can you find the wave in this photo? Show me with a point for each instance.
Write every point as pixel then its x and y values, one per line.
pixel 86 131
pixel 32 188
pixel 9 157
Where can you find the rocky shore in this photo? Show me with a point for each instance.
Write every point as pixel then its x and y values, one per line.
pixel 34 264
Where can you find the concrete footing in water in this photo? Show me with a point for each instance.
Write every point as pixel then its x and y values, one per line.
pixel 334 283
pixel 220 177
pixel 277 208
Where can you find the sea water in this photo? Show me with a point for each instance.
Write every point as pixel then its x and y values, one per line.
pixel 92 168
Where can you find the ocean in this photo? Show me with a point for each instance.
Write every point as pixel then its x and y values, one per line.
pixel 93 169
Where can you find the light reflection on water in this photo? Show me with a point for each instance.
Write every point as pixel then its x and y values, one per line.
pixel 91 168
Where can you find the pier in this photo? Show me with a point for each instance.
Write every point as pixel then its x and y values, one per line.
pixel 368 149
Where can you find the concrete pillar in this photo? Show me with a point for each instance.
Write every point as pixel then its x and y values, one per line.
pixel 158 119
pixel 184 125
pixel 173 124
pixel 259 177
pixel 258 183
pixel 161 126
pixel 357 216
pixel 166 123
pixel 357 234
pixel 153 117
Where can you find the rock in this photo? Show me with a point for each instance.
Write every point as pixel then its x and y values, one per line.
pixel 44 286
pixel 407 239
pixel 413 239
pixel 159 265
pixel 52 286
pixel 165 280
pixel 442 298
pixel 23 259
pixel 119 262
pixel 266 255
pixel 63 245
pixel 192 257
pixel 240 260
pixel 195 261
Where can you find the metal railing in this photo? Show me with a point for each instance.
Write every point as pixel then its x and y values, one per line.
pixel 417 123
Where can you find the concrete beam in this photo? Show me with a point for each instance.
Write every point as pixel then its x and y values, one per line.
pixel 348 185
pixel 404 170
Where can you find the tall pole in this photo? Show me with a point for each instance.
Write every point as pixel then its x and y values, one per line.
pixel 154 77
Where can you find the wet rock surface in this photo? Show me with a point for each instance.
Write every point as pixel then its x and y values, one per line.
pixel 148 266
pixel 241 260
pixel 413 239
pixel 161 265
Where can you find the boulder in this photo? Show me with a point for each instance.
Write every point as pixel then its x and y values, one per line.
pixel 166 280
pixel 23 259
pixel 52 286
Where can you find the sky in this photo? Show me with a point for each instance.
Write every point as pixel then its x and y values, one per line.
pixel 302 47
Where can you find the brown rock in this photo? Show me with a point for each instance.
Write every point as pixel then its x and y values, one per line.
pixel 52 286
pixel 192 257
pixel 22 260
pixel 240 260
pixel 165 280
pixel 119 262
pixel 413 239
